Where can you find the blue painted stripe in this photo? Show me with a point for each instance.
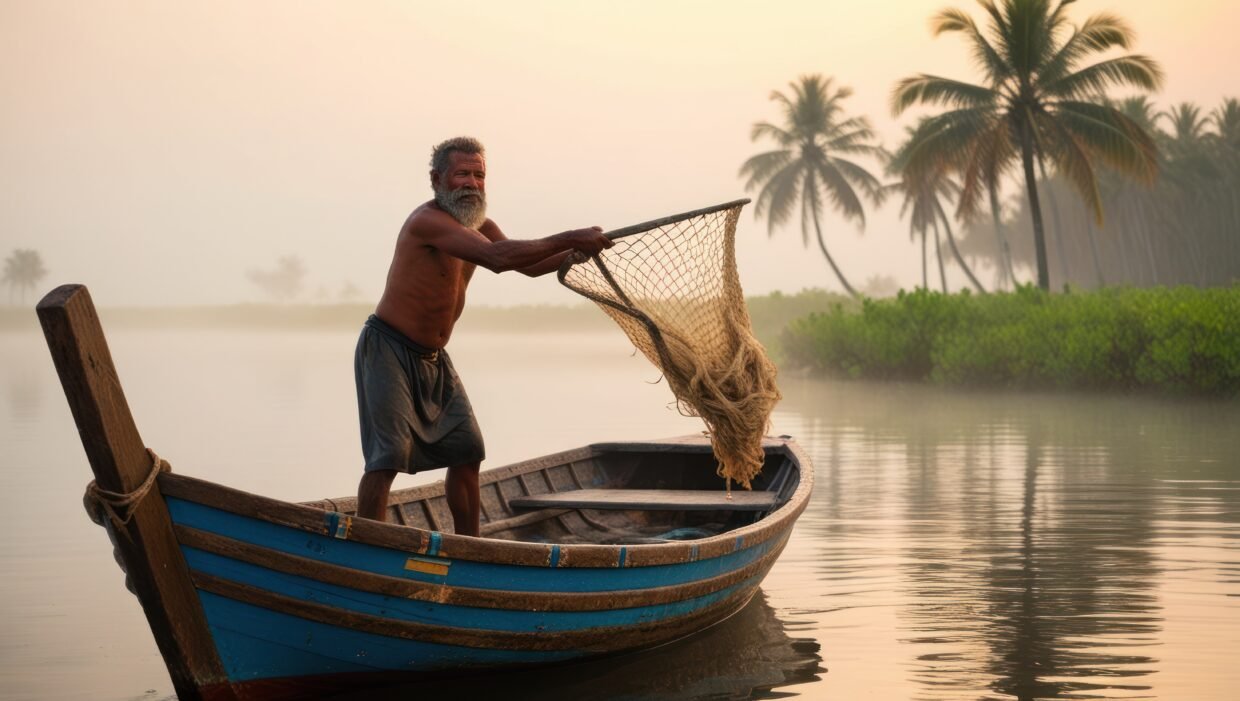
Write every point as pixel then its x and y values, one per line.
pixel 428 612
pixel 555 556
pixel 464 573
pixel 623 553
pixel 255 643
pixel 436 540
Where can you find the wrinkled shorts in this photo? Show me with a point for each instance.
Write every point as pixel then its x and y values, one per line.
pixel 412 407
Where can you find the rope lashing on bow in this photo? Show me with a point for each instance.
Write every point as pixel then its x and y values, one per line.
pixel 120 507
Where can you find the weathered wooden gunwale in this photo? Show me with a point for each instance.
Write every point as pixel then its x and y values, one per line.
pixel 419 541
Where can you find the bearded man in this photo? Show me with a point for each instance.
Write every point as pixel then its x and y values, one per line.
pixel 413 410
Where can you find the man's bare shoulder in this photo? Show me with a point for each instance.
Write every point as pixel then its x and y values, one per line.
pixel 428 222
pixel 426 217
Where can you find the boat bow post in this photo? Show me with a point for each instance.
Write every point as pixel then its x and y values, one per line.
pixel 122 466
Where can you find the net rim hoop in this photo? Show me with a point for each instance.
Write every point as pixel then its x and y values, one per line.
pixel 645 226
pixel 672 219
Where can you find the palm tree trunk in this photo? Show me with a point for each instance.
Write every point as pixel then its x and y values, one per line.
pixel 1147 245
pixel 924 279
pixel 938 253
pixel 1060 252
pixel 823 245
pixel 951 243
pixel 1125 265
pixel 1093 248
pixel 1035 208
pixel 1007 274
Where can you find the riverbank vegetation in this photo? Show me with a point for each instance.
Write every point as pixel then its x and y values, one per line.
pixel 1178 340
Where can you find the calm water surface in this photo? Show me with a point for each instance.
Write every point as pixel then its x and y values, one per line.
pixel 958 545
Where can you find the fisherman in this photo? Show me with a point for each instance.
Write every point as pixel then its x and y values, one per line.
pixel 413 410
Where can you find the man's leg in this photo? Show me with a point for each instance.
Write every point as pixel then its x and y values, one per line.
pixel 461 487
pixel 372 494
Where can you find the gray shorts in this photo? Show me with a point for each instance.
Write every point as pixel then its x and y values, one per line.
pixel 413 410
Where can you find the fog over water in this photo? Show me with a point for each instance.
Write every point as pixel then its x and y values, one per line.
pixel 159 151
pixel 958 545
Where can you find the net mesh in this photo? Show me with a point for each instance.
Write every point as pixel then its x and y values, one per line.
pixel 672 286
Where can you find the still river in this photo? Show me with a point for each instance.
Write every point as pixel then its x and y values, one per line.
pixel 959 545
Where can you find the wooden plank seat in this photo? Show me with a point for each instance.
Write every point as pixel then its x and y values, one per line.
pixel 650 500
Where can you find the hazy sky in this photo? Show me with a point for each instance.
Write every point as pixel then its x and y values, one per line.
pixel 158 150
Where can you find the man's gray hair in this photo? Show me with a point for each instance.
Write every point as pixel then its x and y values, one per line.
pixel 465 144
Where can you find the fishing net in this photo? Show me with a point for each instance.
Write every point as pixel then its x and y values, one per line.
pixel 672 286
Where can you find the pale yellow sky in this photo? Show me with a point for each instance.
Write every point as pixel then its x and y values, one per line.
pixel 158 150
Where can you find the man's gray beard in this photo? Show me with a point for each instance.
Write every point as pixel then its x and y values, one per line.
pixel 471 214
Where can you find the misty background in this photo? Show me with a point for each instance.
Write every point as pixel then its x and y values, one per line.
pixel 176 153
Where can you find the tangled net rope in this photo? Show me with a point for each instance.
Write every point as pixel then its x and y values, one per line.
pixel 672 286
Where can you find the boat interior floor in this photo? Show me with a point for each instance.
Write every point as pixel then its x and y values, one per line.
pixel 618 526
pixel 632 535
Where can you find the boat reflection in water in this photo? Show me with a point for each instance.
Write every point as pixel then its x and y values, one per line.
pixel 746 656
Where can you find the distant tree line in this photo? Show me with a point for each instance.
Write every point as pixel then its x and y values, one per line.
pixel 282 283
pixel 287 280
pixel 1183 229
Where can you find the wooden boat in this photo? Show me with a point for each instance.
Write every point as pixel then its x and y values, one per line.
pixel 604 549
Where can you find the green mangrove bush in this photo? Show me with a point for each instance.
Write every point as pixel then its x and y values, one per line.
pixel 1182 340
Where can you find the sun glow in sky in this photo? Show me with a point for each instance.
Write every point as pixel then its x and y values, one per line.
pixel 158 150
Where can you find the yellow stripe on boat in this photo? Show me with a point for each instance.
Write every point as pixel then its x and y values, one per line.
pixel 428 565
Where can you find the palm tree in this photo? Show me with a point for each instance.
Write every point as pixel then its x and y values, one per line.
pixel 1226 121
pixel 812 163
pixel 1035 99
pixel 1180 231
pixel 1188 125
pixel 924 193
pixel 22 270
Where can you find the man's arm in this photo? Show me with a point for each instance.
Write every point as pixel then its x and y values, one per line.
pixel 546 265
pixel 496 252
pixel 492 231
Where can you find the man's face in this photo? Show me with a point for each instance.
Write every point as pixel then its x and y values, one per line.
pixel 465 171
pixel 460 189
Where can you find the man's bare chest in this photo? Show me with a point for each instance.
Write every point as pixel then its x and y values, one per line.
pixel 432 271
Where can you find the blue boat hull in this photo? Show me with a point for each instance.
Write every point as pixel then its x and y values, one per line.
pixel 298 597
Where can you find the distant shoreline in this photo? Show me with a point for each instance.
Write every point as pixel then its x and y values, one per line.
pixel 769 315
pixel 292 317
